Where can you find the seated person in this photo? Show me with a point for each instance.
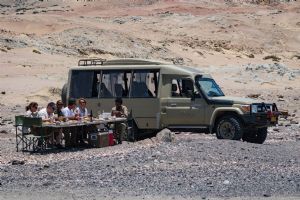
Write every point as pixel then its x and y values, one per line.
pixel 59 116
pixel 81 110
pixel 120 111
pixel 31 110
pixel 69 111
pixel 59 107
pixel 70 134
pixel 47 114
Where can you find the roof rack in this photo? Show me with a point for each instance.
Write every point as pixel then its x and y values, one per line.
pixel 89 62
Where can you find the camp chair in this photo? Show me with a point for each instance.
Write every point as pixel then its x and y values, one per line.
pixel 38 135
pixel 21 133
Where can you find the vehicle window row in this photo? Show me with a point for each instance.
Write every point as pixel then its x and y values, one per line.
pixel 114 83
pixel 182 88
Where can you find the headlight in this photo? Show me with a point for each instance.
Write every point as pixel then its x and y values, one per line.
pixel 246 108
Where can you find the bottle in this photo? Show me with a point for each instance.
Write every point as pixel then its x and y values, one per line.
pixel 91 116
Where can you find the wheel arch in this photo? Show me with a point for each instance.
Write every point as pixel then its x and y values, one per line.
pixel 220 112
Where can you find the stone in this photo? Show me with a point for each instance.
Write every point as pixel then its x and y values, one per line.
pixel 254 96
pixel 36 51
pixel 3 92
pixel 276 129
pixel 17 162
pixel 165 136
pixel 273 57
pixel 267 195
pixel 3 131
pixel 294 122
pixel 251 56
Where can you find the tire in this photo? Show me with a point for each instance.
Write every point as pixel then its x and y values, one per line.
pixel 229 127
pixel 257 136
pixel 64 94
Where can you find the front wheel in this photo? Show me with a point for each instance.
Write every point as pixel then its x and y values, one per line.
pixel 257 136
pixel 229 127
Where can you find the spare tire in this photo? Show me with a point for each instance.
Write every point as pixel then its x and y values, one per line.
pixel 64 94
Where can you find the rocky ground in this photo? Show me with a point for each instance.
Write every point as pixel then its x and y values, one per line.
pixel 251 48
pixel 192 165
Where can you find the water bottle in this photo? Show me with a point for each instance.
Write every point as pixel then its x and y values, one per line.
pixel 91 116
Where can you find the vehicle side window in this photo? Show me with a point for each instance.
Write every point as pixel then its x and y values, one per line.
pixel 144 84
pixel 182 88
pixel 82 84
pixel 114 84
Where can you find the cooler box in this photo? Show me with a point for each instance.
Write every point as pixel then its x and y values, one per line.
pixel 101 139
pixel 93 142
pixel 111 140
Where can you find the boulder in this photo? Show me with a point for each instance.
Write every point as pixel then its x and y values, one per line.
pixel 165 135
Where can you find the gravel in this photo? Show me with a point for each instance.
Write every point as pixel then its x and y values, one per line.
pixel 194 165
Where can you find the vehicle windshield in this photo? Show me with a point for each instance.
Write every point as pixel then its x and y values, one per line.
pixel 208 86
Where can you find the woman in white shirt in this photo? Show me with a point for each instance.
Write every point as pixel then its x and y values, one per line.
pixel 31 110
pixel 81 110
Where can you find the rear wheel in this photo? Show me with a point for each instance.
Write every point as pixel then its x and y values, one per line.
pixel 257 136
pixel 229 127
pixel 133 131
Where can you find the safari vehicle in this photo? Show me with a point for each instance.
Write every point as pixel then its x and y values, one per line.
pixel 161 95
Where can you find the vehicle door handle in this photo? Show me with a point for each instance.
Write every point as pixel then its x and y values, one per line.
pixel 173 105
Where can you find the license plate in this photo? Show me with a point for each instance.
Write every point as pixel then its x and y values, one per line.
pixel 273 119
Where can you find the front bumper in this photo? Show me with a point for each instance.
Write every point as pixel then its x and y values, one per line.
pixel 261 119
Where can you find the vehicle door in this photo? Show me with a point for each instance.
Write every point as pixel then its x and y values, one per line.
pixel 184 108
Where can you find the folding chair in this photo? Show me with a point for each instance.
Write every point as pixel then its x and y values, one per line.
pixel 21 134
pixel 37 136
